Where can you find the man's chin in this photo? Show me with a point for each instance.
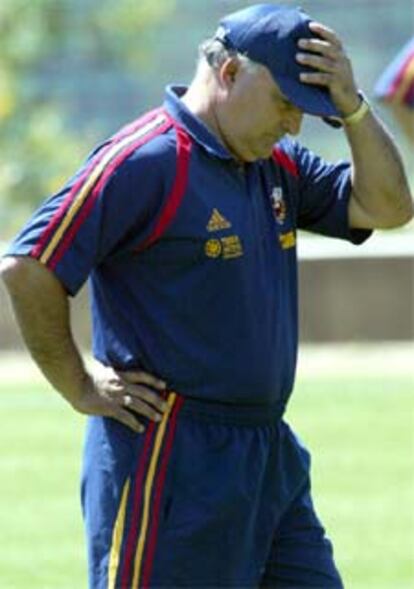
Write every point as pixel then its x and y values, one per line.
pixel 256 153
pixel 259 153
pixel 263 154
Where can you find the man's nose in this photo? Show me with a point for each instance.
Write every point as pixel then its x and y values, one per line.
pixel 293 121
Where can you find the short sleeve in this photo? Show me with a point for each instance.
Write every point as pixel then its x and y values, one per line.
pixel 396 83
pixel 324 190
pixel 106 210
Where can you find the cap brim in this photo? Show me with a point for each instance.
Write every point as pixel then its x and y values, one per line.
pixel 312 100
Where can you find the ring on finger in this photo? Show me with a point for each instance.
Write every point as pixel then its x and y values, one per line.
pixel 127 400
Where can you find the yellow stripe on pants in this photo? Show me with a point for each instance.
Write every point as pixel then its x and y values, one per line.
pixel 117 535
pixel 147 491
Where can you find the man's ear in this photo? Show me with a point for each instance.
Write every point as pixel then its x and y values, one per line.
pixel 229 71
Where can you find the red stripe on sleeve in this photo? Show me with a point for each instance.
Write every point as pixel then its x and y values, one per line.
pixel 173 201
pixel 409 95
pixel 283 160
pixel 60 213
pixel 87 207
pixel 398 80
pixel 130 128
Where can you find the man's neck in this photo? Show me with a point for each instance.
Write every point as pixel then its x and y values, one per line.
pixel 200 104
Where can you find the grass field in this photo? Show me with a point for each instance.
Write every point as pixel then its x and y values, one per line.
pixel 360 431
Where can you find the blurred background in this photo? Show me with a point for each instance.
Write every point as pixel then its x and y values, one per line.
pixel 71 73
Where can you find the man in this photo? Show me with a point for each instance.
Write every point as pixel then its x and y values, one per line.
pixel 395 89
pixel 185 221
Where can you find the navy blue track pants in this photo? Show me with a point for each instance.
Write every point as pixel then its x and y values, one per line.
pixel 213 496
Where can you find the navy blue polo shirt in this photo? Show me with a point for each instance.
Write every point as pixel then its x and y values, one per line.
pixel 191 256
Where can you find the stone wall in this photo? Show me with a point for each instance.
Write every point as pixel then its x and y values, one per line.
pixel 369 299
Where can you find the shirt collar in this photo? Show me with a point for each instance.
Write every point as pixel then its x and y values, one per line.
pixel 191 123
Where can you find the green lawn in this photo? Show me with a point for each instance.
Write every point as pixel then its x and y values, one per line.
pixel 361 433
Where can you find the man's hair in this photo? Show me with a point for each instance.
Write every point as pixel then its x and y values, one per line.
pixel 214 53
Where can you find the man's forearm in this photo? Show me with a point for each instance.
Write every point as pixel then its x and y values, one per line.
pixel 380 186
pixel 42 310
pixel 380 194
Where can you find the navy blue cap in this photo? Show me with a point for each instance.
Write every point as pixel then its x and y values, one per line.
pixel 268 34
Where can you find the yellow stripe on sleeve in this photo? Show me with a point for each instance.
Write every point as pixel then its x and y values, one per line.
pixel 147 491
pixel 92 179
pixel 405 82
pixel 117 535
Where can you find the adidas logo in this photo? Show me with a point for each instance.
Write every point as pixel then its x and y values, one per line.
pixel 217 222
